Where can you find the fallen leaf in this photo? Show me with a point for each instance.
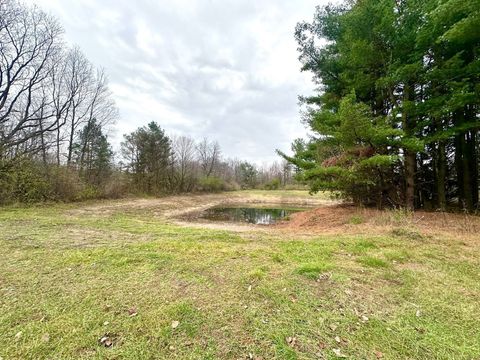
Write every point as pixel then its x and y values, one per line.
pixel 364 318
pixel 291 341
pixel 333 327
pixel 338 353
pixel 106 341
pixel 378 354
pixel 45 337
pixel 106 323
pixel 132 311
pixel 322 345
pixel 175 324
pixel 249 287
pixel 324 276
pixel 18 335
pixel 337 339
pixel 420 330
pixel 171 348
pixel 418 313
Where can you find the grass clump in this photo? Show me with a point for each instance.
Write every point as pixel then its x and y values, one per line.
pixel 313 271
pixel 407 233
pixel 373 262
pixel 356 220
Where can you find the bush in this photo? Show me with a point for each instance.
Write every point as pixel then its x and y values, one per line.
pixel 273 185
pixel 211 184
pixel 22 180
pixel 65 183
pixel 117 186
pixel 26 180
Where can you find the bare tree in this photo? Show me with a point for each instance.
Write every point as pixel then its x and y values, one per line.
pixel 208 156
pixel 184 158
pixel 29 42
pixel 79 79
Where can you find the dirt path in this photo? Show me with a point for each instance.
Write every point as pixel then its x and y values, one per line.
pixel 325 217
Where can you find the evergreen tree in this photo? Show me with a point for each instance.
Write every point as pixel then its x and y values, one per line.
pixel 396 117
pixel 149 155
pixel 93 154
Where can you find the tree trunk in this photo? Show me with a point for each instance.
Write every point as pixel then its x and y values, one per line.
pixel 441 176
pixel 410 160
pixel 410 156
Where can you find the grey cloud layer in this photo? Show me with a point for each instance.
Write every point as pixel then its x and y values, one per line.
pixel 223 69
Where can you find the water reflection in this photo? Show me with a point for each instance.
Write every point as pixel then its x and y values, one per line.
pixel 259 216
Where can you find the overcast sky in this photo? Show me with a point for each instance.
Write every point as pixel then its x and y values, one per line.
pixel 226 69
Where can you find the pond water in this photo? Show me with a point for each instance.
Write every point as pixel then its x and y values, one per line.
pixel 251 215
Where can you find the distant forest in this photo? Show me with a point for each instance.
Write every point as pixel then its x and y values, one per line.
pixel 396 117
pixel 55 112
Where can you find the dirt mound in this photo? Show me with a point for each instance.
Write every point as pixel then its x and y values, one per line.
pixel 322 218
pixel 347 218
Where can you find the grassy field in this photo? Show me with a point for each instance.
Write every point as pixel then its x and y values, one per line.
pixel 121 280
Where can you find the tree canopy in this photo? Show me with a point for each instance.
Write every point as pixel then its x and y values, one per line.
pixel 395 118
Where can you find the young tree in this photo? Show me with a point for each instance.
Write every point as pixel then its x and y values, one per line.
pixel 148 154
pixel 248 175
pixel 93 154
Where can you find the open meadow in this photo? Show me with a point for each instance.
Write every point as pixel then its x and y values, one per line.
pixel 132 278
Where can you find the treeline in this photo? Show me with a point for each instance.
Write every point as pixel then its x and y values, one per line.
pixel 156 163
pixel 396 115
pixel 55 112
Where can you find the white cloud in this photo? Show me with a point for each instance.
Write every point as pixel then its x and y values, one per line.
pixel 226 69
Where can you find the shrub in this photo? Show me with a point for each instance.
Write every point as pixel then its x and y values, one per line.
pixel 65 183
pixel 116 186
pixel 273 185
pixel 22 180
pixel 211 184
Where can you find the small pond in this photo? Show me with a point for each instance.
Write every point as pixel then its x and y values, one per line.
pixel 251 215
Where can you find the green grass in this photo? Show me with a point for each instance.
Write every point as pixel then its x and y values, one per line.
pixel 69 277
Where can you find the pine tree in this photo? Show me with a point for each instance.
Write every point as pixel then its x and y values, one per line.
pixel 396 117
